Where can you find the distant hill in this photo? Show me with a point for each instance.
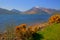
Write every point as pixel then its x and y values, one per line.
pixel 5 11
pixel 34 10
pixel 38 9
pixel 17 11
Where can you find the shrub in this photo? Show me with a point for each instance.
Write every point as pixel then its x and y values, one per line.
pixel 21 32
pixel 54 18
pixel 25 33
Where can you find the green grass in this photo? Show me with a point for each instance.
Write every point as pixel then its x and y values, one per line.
pixel 51 32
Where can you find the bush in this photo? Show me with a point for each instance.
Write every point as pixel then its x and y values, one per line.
pixel 25 33
pixel 54 18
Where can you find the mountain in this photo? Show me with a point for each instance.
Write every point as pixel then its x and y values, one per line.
pixel 5 11
pixel 17 11
pixel 38 9
pixel 34 10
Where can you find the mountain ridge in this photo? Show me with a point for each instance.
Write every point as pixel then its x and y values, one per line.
pixel 33 10
pixel 38 9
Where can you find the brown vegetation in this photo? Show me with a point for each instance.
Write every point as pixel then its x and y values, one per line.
pixel 54 19
pixel 25 33
pixel 21 32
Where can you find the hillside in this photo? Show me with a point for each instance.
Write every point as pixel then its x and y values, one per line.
pixel 5 11
pixel 51 32
pixel 39 10
pixel 33 10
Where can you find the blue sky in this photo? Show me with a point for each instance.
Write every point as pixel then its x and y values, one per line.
pixel 28 4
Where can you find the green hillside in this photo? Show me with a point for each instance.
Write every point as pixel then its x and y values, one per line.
pixel 51 32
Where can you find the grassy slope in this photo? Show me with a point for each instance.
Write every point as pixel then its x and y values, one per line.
pixel 51 32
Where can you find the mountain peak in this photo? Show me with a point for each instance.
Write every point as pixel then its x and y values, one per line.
pixel 37 7
pixel 15 10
